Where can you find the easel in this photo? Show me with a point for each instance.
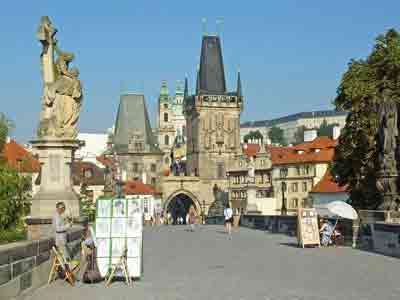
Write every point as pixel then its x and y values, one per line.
pixel 122 263
pixel 59 262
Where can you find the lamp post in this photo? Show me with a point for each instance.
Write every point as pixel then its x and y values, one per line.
pixel 283 209
pixel 203 213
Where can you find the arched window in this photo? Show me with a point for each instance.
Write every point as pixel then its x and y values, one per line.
pixel 165 117
pixel 166 140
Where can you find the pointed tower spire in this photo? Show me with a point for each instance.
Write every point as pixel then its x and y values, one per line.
pixel 198 80
pixel 186 90
pixel 239 85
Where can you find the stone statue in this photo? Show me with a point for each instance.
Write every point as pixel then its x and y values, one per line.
pixel 387 145
pixel 387 136
pixel 251 169
pixel 62 93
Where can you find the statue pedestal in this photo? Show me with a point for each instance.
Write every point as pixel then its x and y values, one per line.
pixel 55 156
pixel 252 202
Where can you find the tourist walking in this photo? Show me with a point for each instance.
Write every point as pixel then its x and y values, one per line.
pixel 192 220
pixel 228 214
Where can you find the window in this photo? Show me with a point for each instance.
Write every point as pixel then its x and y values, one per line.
pixel 220 170
pixel 166 140
pixel 304 186
pixel 165 117
pixel 165 105
pixel 294 203
pixel 295 187
pixel 283 172
pixel 88 173
pixel 298 170
pixel 153 167
pixel 153 181
pixel 135 167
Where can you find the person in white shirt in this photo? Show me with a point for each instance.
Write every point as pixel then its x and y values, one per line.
pixel 60 228
pixel 228 214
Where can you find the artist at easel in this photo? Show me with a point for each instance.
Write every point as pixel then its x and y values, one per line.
pixel 60 228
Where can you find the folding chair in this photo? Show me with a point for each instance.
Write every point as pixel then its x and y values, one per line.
pixel 61 266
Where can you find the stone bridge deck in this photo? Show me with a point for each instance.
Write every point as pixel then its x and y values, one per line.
pixel 253 265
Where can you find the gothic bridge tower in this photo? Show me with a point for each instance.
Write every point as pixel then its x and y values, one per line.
pixel 212 116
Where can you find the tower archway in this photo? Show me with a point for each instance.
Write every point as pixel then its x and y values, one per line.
pixel 179 203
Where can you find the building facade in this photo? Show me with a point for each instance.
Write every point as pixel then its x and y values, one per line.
pixel 290 124
pixel 171 121
pixel 134 144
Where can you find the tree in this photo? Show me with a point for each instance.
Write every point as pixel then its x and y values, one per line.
pixel 299 134
pixel 276 136
pixel 14 196
pixel 363 87
pixel 253 135
pixel 5 127
pixel 326 129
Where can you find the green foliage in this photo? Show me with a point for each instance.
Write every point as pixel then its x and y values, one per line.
pixel 12 235
pixel 87 205
pixel 299 134
pixel 5 127
pixel 14 197
pixel 253 135
pixel 326 129
pixel 363 87
pixel 276 136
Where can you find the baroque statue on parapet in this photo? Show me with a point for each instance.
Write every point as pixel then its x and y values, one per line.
pixel 62 90
pixel 388 136
pixel 388 147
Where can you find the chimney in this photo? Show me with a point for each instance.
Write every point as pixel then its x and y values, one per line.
pixel 336 132
pixel 310 135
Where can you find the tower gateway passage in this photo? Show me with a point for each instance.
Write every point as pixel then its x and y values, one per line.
pixel 212 134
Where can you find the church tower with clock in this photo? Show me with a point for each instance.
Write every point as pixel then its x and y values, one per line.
pixel 212 116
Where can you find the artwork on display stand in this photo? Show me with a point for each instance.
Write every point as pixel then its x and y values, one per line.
pixel 133 207
pixel 134 266
pixel 118 227
pixel 134 246
pixel 118 246
pixel 103 208
pixel 103 227
pixel 104 265
pixel 134 226
pixel 119 208
pixel 103 247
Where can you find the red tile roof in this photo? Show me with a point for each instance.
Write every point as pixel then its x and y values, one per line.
pixel 328 185
pixel 302 153
pixel 104 160
pixel 19 158
pixel 88 173
pixel 135 187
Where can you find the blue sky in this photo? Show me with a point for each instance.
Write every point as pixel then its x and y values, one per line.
pixel 291 54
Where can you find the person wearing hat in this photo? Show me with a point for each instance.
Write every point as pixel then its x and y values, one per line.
pixel 60 228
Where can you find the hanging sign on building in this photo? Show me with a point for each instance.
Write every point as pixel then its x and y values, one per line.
pixel 119 227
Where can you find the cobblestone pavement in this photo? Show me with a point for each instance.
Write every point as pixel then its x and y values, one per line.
pixel 253 265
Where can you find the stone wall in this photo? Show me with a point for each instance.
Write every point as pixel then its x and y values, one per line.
pixel 25 266
pixel 281 224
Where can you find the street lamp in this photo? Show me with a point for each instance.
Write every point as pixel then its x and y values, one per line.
pixel 203 213
pixel 283 209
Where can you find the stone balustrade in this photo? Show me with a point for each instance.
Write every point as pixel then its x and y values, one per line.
pixel 25 265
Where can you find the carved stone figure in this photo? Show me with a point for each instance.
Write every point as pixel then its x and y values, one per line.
pixel 387 145
pixel 387 136
pixel 62 92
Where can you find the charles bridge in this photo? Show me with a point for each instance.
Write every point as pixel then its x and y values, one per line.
pixel 254 264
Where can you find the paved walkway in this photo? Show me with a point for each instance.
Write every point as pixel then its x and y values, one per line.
pixel 253 265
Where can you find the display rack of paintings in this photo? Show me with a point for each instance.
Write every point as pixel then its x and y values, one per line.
pixel 119 224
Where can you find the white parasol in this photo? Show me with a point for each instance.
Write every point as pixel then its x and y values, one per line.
pixel 342 210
